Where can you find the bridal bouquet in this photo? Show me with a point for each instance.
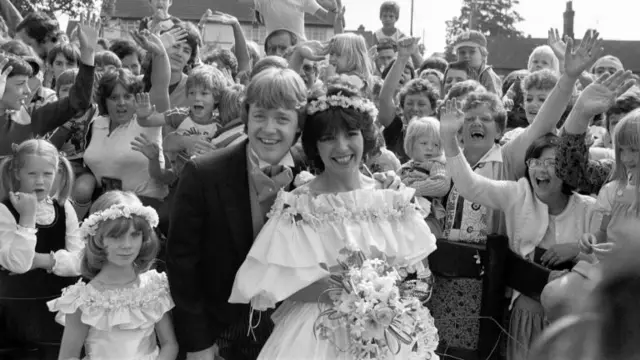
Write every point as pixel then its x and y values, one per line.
pixel 374 312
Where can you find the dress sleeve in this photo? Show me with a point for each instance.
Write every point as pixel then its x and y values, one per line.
pixel 574 167
pixel 281 262
pixel 495 194
pixel 17 243
pixel 68 259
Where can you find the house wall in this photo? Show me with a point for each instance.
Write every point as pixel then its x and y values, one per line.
pixel 120 28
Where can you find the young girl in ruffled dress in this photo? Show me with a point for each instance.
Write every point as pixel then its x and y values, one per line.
pixel 117 315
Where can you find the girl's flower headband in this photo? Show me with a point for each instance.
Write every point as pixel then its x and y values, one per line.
pixel 90 225
pixel 325 102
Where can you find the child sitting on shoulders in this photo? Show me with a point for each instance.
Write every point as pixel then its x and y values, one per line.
pixel 541 58
pixel 472 47
pixel 425 172
pixel 389 14
pixel 161 20
pixel 119 313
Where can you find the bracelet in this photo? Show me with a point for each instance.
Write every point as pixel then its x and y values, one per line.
pixel 53 262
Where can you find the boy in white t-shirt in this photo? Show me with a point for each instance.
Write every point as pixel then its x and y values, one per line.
pixel 190 130
pixel 289 14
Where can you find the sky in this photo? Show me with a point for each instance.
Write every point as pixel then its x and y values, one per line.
pixel 614 20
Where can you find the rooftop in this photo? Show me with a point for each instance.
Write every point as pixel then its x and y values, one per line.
pixel 513 53
pixel 192 10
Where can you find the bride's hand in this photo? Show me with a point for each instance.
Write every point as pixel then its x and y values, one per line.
pixel 389 180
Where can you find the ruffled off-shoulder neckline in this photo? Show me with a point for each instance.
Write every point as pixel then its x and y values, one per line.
pixel 126 309
pixel 362 204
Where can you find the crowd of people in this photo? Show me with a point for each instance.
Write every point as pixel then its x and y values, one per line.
pixel 164 200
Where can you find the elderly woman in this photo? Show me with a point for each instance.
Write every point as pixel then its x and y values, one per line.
pixel 109 154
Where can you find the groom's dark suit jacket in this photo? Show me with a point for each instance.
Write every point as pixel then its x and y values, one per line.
pixel 210 235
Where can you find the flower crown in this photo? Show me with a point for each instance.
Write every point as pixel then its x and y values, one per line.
pixel 90 225
pixel 325 102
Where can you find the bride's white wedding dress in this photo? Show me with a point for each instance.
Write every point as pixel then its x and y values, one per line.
pixel 303 238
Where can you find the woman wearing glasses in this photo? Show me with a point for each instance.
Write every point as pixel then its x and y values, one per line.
pixel 544 218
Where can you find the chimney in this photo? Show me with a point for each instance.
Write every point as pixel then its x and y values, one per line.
pixel 569 16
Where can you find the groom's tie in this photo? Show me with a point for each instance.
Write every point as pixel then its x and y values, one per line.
pixel 281 176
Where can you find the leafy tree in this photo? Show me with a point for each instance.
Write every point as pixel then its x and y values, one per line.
pixel 495 18
pixel 73 8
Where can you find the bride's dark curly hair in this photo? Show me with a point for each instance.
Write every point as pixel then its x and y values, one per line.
pixel 334 120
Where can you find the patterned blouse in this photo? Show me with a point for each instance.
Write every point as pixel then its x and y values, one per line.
pixel 574 167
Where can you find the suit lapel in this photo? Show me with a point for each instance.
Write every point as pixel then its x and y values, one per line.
pixel 237 203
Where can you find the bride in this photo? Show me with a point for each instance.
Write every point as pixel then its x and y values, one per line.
pixel 294 254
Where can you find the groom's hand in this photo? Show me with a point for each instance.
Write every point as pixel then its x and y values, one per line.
pixel 206 354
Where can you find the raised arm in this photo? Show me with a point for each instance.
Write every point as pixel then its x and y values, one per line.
pixel 573 165
pixel 54 114
pixel 160 68
pixel 240 49
pixel 331 11
pixel 576 61
pixel 477 188
pixel 146 113
pixel 406 47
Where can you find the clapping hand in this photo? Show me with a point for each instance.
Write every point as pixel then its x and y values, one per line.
pixel 598 97
pixel 451 120
pixel 144 145
pixel 584 56
pixel 144 107
pixel 88 31
pixel 151 43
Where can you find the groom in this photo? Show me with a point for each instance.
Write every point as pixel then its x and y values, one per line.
pixel 220 206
